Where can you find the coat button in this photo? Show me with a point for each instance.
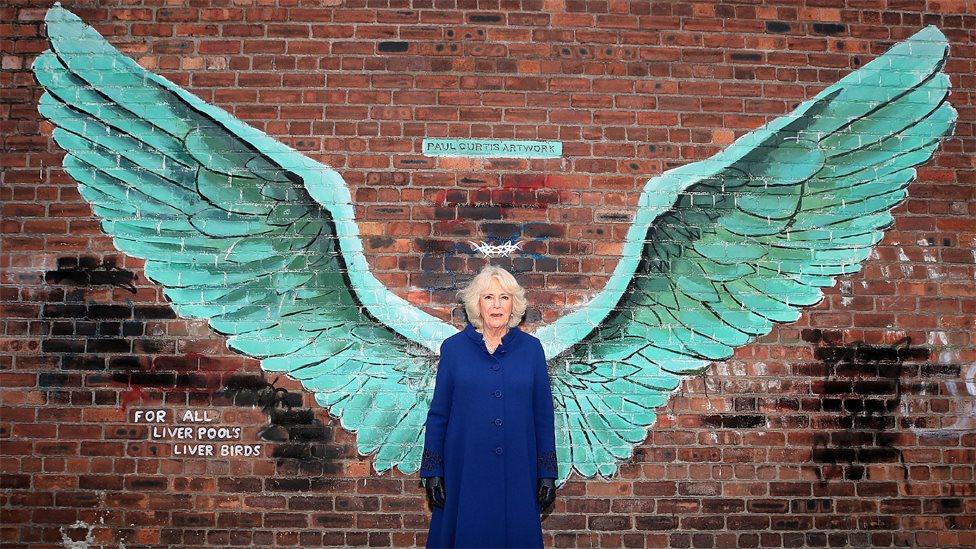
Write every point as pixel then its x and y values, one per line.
pixel 498 421
pixel 497 393
pixel 498 450
pixel 495 366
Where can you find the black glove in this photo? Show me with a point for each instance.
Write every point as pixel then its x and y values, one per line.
pixel 547 492
pixel 435 490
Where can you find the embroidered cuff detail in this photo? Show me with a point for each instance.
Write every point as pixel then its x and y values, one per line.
pixel 431 461
pixel 547 462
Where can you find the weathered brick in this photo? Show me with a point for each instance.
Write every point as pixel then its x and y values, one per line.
pixel 811 435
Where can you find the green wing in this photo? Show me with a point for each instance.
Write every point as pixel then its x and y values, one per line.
pixel 243 231
pixel 722 249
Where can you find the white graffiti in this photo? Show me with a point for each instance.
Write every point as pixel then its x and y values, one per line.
pixel 964 391
pixel 961 389
pixel 491 250
pixel 78 544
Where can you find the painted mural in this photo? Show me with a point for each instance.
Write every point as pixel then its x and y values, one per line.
pixel 261 241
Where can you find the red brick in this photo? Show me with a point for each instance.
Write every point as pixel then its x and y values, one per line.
pixel 631 89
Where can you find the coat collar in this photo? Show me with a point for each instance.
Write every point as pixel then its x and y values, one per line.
pixel 508 340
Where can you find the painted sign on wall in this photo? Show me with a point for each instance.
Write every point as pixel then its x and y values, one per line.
pixel 492 148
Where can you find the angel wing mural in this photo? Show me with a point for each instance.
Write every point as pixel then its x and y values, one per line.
pixel 261 241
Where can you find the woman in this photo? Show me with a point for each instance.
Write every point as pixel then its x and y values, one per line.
pixel 489 462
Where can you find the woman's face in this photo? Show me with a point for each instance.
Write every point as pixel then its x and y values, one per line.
pixel 495 306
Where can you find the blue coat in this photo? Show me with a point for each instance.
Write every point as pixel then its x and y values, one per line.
pixel 490 433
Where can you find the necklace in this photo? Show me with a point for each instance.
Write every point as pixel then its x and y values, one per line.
pixel 491 348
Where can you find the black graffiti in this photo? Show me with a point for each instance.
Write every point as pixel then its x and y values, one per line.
pixel 255 390
pixel 860 392
pixel 298 434
pixel 88 271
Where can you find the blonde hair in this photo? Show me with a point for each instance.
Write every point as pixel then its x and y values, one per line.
pixel 471 294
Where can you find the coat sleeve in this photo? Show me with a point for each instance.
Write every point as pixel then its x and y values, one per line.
pixel 432 462
pixel 545 431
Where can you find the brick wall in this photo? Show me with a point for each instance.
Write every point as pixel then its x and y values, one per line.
pixel 854 426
